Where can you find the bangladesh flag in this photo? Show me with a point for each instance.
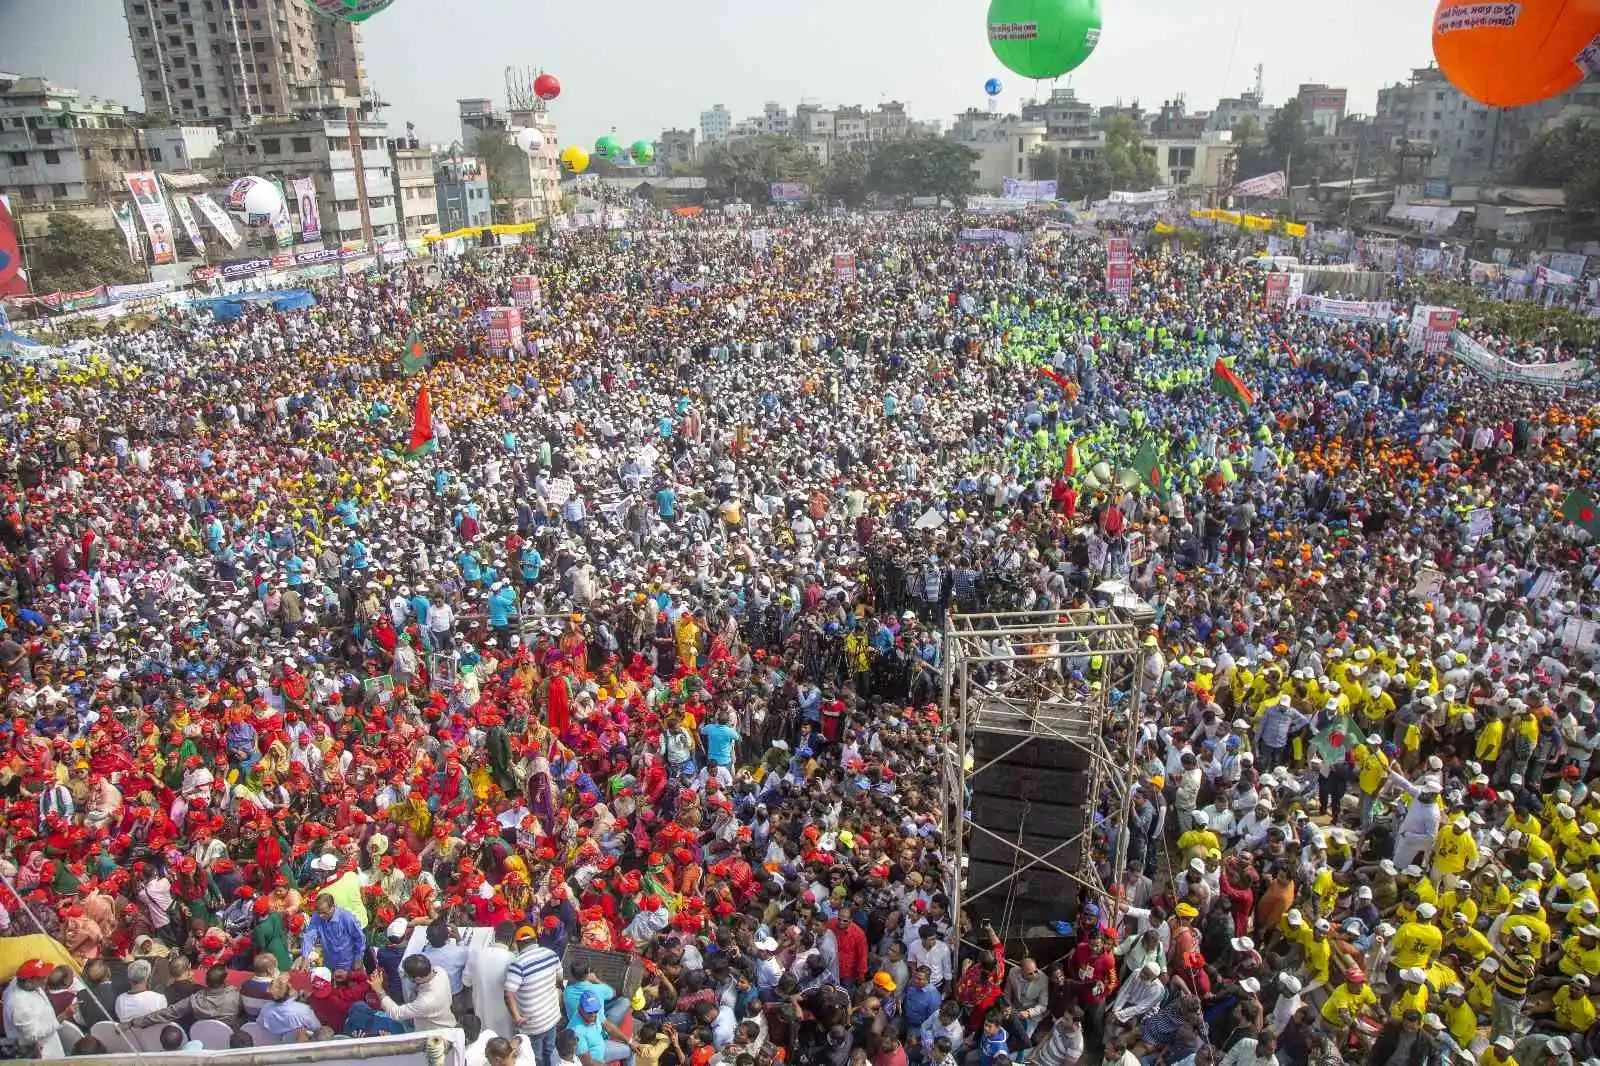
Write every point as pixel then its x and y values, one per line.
pixel 1579 508
pixel 1224 382
pixel 1148 464
pixel 421 442
pixel 416 357
pixel 1336 740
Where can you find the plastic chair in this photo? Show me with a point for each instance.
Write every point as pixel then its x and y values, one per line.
pixel 261 1037
pixel 213 1035
pixel 149 1038
pixel 70 1035
pixel 114 1039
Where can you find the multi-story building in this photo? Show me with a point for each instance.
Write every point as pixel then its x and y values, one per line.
pixel 533 185
pixel 1174 121
pixel 476 116
pixel 235 61
pixel 849 129
pixel 411 167
pixel 888 122
pixel 1064 115
pixel 1468 140
pixel 775 118
pixel 463 195
pixel 1232 110
pixel 57 146
pixel 345 154
pixel 1004 144
pixel 715 125
pixel 1322 106
pixel 675 148
pixel 813 121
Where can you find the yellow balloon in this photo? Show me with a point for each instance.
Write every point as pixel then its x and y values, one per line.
pixel 575 158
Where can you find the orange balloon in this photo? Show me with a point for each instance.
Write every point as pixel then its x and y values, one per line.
pixel 1519 53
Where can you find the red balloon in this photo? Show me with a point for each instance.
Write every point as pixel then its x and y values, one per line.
pixel 546 87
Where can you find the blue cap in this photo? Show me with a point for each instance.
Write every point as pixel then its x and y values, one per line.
pixel 589 1003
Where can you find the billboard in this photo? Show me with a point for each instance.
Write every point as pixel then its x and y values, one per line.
pixel 1275 184
pixel 790 192
pixel 505 328
pixel 308 223
pixel 1014 189
pixel 525 293
pixel 218 218
pixel 12 280
pixel 844 267
pixel 1277 292
pixel 191 228
pixel 122 213
pixel 152 207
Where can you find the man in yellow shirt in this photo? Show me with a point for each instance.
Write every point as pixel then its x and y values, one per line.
pixel 1349 1001
pixel 1574 1010
pixel 1417 943
pixel 1372 767
pixel 1580 953
pixel 1464 939
pixel 1455 849
pixel 1413 994
pixel 1498 1053
pixel 1491 738
pixel 1459 1017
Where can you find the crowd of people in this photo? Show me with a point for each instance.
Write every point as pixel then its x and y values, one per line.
pixel 312 733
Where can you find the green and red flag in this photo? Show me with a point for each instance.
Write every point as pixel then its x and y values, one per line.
pixel 416 357
pixel 1579 508
pixel 421 442
pixel 1224 382
pixel 1148 464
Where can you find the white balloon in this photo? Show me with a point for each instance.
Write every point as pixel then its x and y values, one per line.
pixel 530 140
pixel 255 198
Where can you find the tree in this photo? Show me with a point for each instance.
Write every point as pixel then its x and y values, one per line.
pixel 1567 156
pixel 1121 163
pixel 846 178
pixel 75 256
pixel 499 157
pixel 924 166
pixel 1287 147
pixel 746 169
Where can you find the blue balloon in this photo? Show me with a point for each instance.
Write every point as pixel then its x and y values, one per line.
pixel 992 86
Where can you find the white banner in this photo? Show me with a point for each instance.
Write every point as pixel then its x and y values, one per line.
pixel 122 213
pixel 1274 184
pixel 1153 196
pixel 1347 310
pixel 152 207
pixel 180 204
pixel 1016 189
pixel 1498 368
pixel 218 218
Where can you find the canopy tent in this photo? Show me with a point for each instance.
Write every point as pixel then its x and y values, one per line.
pixel 228 308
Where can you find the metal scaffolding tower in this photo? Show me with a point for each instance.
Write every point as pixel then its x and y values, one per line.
pixel 1010 675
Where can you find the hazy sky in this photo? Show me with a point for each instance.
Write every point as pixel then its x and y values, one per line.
pixel 644 65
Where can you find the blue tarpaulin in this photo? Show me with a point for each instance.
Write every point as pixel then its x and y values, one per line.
pixel 228 308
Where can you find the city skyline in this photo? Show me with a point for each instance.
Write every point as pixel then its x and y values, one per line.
pixel 669 66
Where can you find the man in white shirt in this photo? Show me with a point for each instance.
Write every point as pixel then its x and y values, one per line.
pixel 932 953
pixel 485 978
pixel 139 1000
pixel 430 1001
pixel 30 1020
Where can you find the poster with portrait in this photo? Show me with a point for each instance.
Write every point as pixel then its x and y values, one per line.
pixel 307 222
pixel 152 207
pixel 191 228
pixel 122 213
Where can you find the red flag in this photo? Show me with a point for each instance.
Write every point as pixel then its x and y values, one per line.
pixel 1067 388
pixel 1070 466
pixel 421 424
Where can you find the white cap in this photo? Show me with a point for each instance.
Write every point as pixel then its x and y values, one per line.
pixel 1242 943
pixel 1426 911
pixel 1250 985
pixel 397 928
pixel 1289 983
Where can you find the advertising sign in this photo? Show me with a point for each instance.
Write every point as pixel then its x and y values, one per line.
pixel 1277 292
pixel 152 207
pixel 844 267
pixel 1119 267
pixel 505 328
pixel 790 192
pixel 307 222
pixel 191 228
pixel 525 292
pixel 218 218
pixel 1274 184
pixel 1014 189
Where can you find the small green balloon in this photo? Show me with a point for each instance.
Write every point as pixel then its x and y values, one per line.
pixel 607 147
pixel 1043 38
pixel 643 151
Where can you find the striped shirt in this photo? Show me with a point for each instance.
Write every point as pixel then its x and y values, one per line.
pixel 1516 970
pixel 534 977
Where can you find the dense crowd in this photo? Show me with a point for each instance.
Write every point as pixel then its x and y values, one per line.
pixel 311 735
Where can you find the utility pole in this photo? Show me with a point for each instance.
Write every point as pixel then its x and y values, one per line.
pixel 1350 192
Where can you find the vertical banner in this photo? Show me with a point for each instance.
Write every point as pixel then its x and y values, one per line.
pixel 1277 291
pixel 1441 324
pixel 1297 289
pixel 307 221
pixel 505 328
pixel 844 267
pixel 1119 267
pixel 152 207
pixel 123 214
pixel 758 240
pixel 191 228
pixel 525 294
pixel 219 219
pixel 12 280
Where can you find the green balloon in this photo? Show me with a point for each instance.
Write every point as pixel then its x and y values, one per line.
pixel 642 150
pixel 1043 38
pixel 607 147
